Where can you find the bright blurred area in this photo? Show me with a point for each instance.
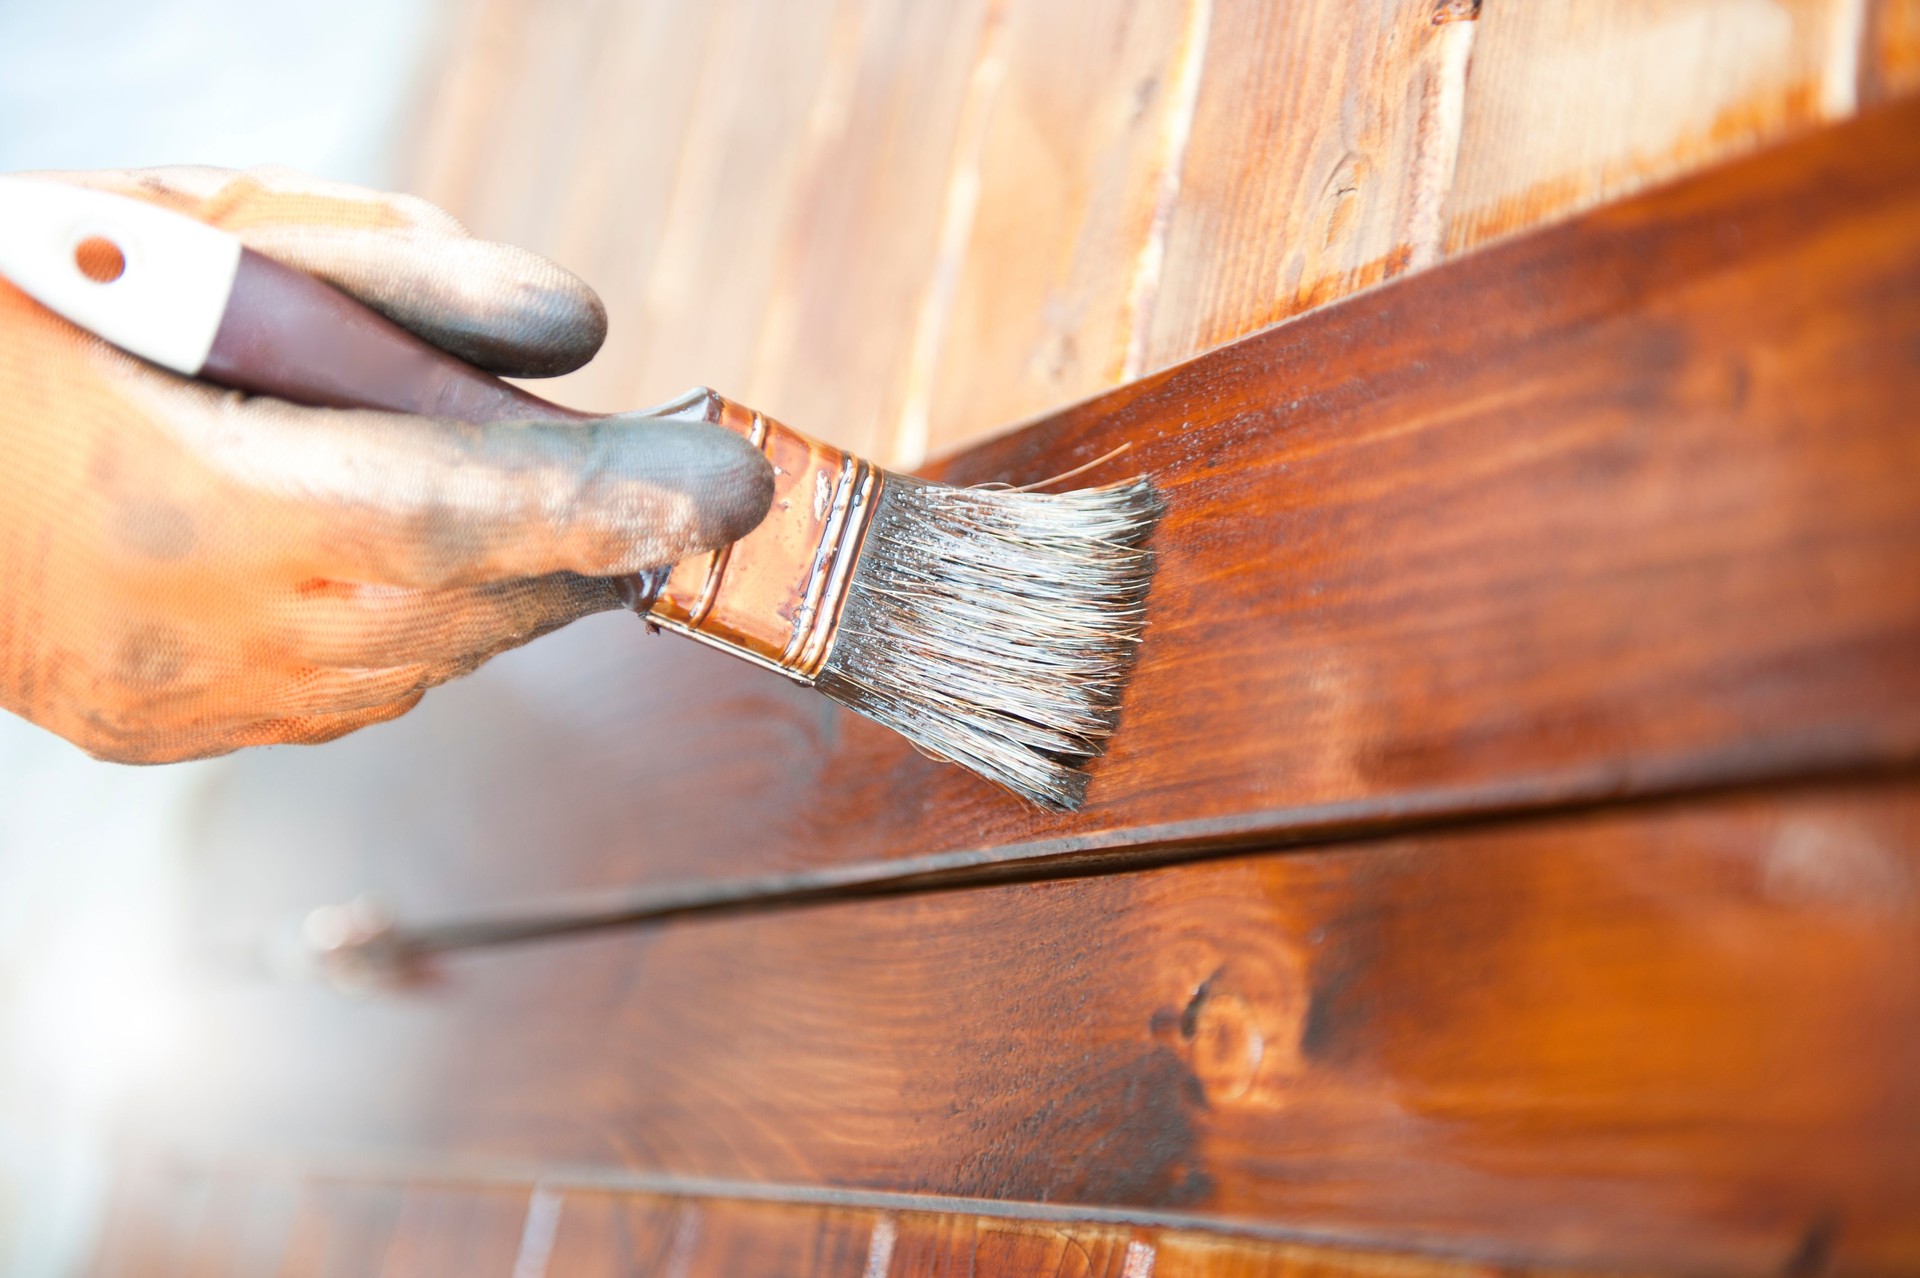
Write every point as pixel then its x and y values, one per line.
pixel 89 856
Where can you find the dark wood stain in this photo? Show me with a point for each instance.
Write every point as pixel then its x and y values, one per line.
pixel 1666 1037
pixel 1622 507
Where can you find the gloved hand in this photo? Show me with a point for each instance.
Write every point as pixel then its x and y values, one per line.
pixel 184 571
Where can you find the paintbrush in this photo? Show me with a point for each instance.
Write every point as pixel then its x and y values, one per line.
pixel 990 626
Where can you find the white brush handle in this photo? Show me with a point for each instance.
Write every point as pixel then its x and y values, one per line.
pixel 174 279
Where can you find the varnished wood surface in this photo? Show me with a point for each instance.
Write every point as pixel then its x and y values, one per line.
pixel 1683 1038
pixel 185 1222
pixel 1627 506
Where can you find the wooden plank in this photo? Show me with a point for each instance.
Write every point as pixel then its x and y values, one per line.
pixel 153 1211
pixel 446 1231
pixel 460 1229
pixel 906 225
pixel 340 1229
pixel 605 1235
pixel 1574 102
pixel 561 127
pixel 243 1229
pixel 1072 173
pixel 867 231
pixel 1623 507
pixel 1296 185
pixel 741 157
pixel 1681 1037
pixel 1891 60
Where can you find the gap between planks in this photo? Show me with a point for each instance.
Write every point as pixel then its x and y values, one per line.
pixel 584 914
pixel 404 1169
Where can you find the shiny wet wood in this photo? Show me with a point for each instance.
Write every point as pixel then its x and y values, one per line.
pixel 1624 507
pixel 1682 1037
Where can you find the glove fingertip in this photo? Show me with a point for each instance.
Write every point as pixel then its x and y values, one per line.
pixel 546 322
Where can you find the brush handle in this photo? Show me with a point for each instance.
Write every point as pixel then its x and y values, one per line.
pixel 191 298
pixel 293 337
pixel 773 597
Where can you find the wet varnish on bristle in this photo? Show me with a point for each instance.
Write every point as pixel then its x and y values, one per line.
pixel 997 628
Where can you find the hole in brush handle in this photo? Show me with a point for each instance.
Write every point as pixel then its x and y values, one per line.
pixel 99 259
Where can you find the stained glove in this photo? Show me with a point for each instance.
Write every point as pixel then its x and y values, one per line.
pixel 185 571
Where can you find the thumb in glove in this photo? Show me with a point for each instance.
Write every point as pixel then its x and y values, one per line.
pixel 184 571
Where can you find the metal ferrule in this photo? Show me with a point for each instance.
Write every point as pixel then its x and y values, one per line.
pixel 775 596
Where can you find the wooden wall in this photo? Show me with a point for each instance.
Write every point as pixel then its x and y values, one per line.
pixel 906 225
pixel 1509 855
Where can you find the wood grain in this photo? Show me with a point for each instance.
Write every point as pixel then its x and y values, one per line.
pixel 905 226
pixel 1681 1038
pixel 1574 102
pixel 872 226
pixel 1624 507
pixel 456 1230
pixel 1296 182
pixel 1891 59
pixel 1071 176
pixel 741 160
pixel 605 1235
pixel 561 127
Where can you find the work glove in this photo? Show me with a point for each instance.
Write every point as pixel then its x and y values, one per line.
pixel 185 571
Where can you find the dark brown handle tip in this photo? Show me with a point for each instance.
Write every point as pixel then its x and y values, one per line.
pixel 296 338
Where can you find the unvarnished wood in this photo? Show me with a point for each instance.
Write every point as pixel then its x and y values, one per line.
pixel 977 206
pixel 1073 168
pixel 1573 102
pixel 852 315
pixel 1892 53
pixel 1296 181
pixel 741 163
pixel 560 126
pixel 1682 1038
pixel 1627 506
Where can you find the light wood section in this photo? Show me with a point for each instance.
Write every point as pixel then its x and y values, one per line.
pixel 904 226
pixel 1892 54
pixel 1077 169
pixel 731 194
pixel 1574 102
pixel 1299 176
pixel 854 316
pixel 560 125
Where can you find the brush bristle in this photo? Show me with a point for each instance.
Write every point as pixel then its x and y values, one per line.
pixel 996 628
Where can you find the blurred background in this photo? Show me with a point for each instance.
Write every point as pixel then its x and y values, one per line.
pixel 90 853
